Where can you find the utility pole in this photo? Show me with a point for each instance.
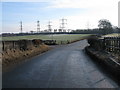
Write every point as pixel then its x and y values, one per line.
pixel 21 28
pixel 49 26
pixel 38 26
pixel 62 24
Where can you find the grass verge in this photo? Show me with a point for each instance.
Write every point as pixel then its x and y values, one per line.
pixel 13 57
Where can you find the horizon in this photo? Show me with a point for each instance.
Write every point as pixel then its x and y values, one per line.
pixel 79 14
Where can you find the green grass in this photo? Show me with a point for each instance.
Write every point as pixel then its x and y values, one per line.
pixel 62 37
pixel 112 35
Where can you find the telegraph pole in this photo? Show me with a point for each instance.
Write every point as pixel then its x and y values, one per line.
pixel 38 26
pixel 62 24
pixel 21 28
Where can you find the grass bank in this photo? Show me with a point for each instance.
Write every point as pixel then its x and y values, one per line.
pixel 13 57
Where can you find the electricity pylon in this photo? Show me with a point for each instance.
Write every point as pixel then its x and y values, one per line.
pixel 62 24
pixel 21 28
pixel 38 26
pixel 49 26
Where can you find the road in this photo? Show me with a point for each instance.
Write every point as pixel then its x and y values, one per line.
pixel 65 66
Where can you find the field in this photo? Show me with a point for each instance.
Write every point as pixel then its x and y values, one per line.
pixel 61 38
pixel 112 35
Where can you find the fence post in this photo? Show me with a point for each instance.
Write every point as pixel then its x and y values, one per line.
pixel 104 44
pixel 3 47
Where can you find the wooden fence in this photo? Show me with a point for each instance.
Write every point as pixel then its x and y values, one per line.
pixel 107 44
pixel 112 44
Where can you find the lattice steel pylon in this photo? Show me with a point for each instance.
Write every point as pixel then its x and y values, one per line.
pixel 49 26
pixel 38 26
pixel 63 22
pixel 21 27
pixel 88 25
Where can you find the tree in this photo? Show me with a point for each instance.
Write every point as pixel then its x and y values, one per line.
pixel 105 25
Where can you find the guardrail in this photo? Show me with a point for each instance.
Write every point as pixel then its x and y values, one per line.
pixel 108 44
pixel 107 51
pixel 112 44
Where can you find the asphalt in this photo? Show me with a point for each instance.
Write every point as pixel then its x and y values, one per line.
pixel 65 66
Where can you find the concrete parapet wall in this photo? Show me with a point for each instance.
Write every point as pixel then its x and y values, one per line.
pixel 105 60
pixel 20 44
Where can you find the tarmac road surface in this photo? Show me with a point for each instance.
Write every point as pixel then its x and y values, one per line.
pixel 65 66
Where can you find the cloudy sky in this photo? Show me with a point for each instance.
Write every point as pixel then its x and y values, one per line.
pixel 80 14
